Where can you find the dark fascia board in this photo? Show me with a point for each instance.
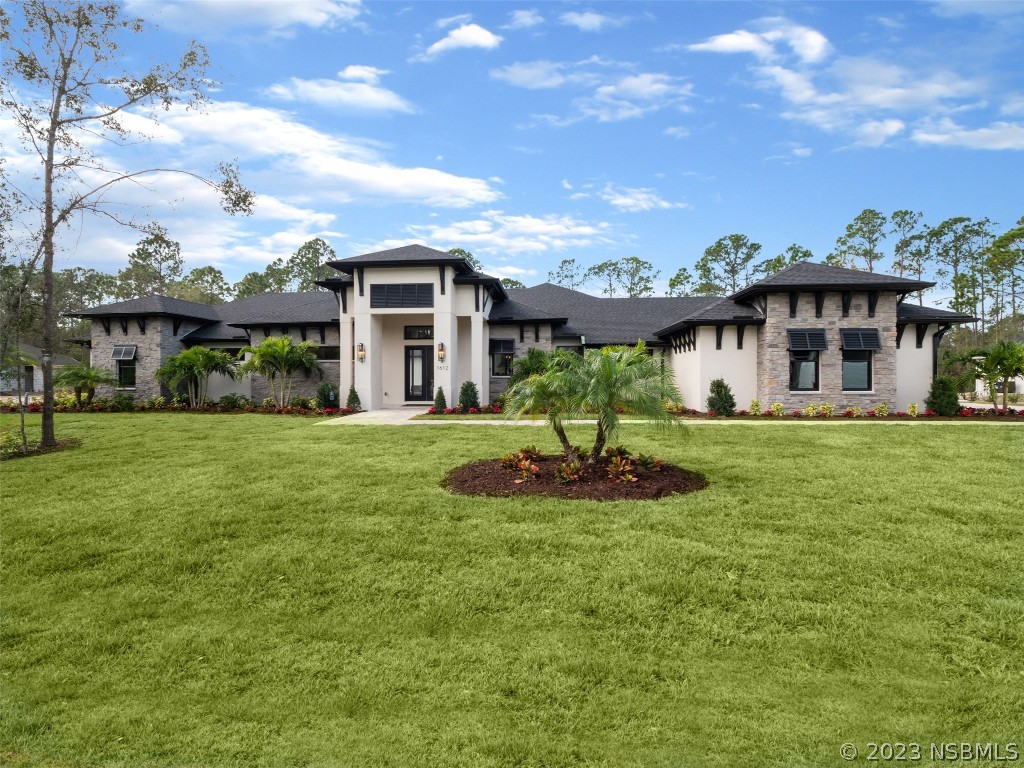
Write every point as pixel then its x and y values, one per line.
pixel 903 287
pixel 348 265
pixel 555 321
pixel 938 316
pixel 335 283
pixel 493 284
pixel 89 314
pixel 277 321
pixel 683 324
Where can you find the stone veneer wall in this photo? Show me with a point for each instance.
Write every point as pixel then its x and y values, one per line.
pixel 499 384
pixel 154 347
pixel 302 385
pixel 773 350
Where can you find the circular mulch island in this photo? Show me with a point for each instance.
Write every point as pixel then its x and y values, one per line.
pixel 489 478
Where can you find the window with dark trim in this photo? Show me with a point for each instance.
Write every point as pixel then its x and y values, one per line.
pixel 803 370
pixel 856 370
pixel 501 351
pixel 123 352
pixel 126 373
pixel 402 295
pixel 415 332
pixel 328 353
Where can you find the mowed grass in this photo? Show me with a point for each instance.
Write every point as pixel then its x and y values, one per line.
pixel 262 591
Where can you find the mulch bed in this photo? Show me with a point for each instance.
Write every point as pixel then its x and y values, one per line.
pixel 489 478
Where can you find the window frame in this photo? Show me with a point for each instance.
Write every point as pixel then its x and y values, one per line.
pixel 418 333
pixel 858 356
pixel 804 356
pixel 506 350
pixel 122 366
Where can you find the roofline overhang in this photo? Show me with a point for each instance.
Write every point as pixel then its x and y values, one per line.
pixel 347 265
pixel 90 315
pixel 897 285
pixel 555 321
pixel 683 324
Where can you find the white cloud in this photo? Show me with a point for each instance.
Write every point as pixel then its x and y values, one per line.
pixel 1013 105
pixel 998 135
pixel 524 20
pixel 356 89
pixel 501 234
pixel 589 21
pixel 338 168
pixel 677 132
pixel 535 75
pixel 451 21
pixel 874 133
pixel 566 184
pixel 465 36
pixel 635 200
pixel 808 44
pixel 633 96
pixel 219 17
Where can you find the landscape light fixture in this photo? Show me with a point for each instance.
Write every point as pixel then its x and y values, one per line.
pixel 440 351
pixel 361 352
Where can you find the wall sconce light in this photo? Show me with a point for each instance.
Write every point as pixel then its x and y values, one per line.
pixel 361 353
pixel 440 351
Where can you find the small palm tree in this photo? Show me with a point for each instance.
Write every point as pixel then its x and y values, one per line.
pixel 194 367
pixel 83 379
pixel 601 383
pixel 278 360
pixel 1000 363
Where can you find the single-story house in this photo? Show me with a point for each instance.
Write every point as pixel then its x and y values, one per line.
pixel 398 324
pixel 31 370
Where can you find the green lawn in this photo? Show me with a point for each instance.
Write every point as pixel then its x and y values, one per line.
pixel 262 591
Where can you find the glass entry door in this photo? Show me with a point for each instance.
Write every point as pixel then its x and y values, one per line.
pixel 419 373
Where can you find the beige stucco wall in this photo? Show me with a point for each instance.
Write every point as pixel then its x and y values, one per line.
pixel 914 368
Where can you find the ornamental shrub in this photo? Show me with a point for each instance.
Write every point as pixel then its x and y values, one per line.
pixel 353 399
pixel 943 397
pixel 882 409
pixel 720 398
pixel 326 395
pixel 469 397
pixel 233 401
pixel 755 407
pixel 440 402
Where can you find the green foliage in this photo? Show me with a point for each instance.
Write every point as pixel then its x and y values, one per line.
pixel 827 410
pixel 755 407
pixel 154 265
pixel 440 401
pixel 720 398
pixel 462 253
pixel 302 402
pixel 469 396
pixel 913 410
pixel 327 395
pixel 620 470
pixel 569 471
pixel 943 396
pixel 278 359
pixel 83 380
pixel 882 409
pixel 681 283
pixel 511 282
pixel 233 400
pixel 522 462
pixel 777 409
pixel 601 383
pixel 193 367
pixel 533 363
pixel 122 401
pixel 617 450
pixel 568 275
pixel 728 264
pixel 353 399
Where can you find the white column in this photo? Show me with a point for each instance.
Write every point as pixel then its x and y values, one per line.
pixel 446 372
pixel 368 371
pixel 346 358
pixel 478 358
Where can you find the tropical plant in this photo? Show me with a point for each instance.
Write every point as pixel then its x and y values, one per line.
pixel 278 359
pixel 600 383
pixel 83 379
pixel 720 398
pixel 193 367
pixel 533 362
pixel 998 365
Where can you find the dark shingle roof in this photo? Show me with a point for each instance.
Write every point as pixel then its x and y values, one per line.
pixel 806 275
pixel 603 320
pixel 152 305
pixel 913 313
pixel 303 308
pixel 406 255
pixel 718 311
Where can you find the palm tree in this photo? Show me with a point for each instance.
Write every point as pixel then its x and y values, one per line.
pixel 999 364
pixel 194 366
pixel 277 358
pixel 83 379
pixel 601 383
pixel 546 392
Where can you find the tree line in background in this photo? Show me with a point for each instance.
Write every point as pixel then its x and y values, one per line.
pixel 982 268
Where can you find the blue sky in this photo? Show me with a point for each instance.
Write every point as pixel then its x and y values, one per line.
pixel 528 132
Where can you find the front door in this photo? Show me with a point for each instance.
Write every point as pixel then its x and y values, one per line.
pixel 419 373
